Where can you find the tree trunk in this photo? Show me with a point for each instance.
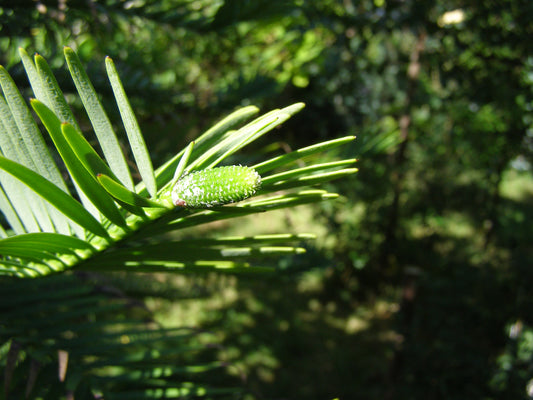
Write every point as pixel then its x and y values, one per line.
pixel 400 157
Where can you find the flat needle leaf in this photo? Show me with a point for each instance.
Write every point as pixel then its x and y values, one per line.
pixel 138 146
pixel 99 120
pixel 54 195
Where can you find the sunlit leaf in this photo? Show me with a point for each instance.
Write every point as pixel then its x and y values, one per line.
pixel 137 144
pixel 55 196
pixel 100 122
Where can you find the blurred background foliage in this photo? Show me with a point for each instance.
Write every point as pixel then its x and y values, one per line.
pixel 419 285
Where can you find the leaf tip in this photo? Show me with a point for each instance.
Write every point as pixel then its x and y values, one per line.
pixel 109 63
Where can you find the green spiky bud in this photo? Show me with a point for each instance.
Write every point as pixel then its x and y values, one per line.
pixel 216 186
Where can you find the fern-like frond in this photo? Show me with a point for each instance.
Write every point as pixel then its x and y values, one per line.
pixel 57 336
pixel 112 209
pixel 69 335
